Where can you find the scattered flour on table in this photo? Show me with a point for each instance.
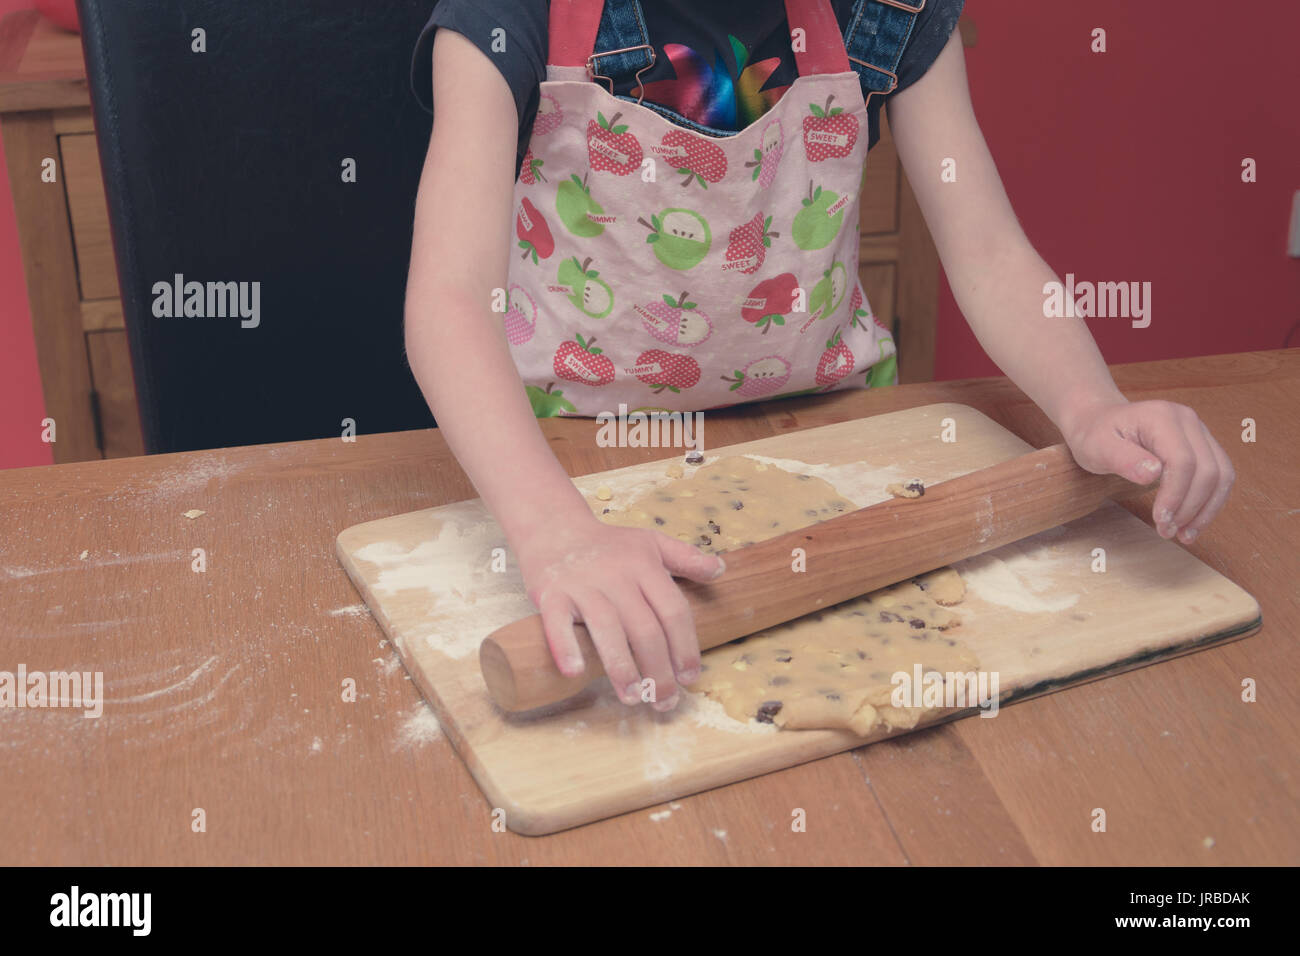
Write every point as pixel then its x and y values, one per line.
pixel 179 685
pixel 1023 575
pixel 194 475
pixel 419 728
pixel 352 610
pixel 83 567
pixel 661 815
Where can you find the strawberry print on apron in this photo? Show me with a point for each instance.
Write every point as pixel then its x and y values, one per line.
pixel 665 269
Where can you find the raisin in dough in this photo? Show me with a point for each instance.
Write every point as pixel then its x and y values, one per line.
pixel 828 669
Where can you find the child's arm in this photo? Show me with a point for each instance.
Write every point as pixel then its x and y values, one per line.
pixel 997 279
pixel 617 580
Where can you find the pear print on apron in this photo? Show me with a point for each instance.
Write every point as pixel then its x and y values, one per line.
pixel 664 269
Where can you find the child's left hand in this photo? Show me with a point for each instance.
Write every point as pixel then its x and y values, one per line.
pixel 1143 441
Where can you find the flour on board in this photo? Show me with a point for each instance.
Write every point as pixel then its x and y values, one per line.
pixel 1021 575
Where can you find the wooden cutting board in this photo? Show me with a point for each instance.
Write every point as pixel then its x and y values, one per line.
pixel 1037 612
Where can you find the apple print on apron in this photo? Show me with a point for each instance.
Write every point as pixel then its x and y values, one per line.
pixel 665 269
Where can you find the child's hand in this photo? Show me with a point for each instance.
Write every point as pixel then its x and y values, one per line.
pixel 1143 441
pixel 618 582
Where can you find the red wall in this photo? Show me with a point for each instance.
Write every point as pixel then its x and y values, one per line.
pixel 21 404
pixel 1127 165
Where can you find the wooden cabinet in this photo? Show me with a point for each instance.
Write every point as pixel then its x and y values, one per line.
pixel 898 264
pixel 897 261
pixel 65 242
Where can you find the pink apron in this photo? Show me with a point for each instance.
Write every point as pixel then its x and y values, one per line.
pixel 664 269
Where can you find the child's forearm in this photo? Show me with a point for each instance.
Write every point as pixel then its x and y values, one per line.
pixel 1054 360
pixel 463 366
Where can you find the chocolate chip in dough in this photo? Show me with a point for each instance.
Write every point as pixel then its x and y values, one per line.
pixel 694 457
pixel 713 526
pixel 767 710
pixel 737 504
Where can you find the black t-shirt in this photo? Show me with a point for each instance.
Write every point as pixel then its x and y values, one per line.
pixel 720 63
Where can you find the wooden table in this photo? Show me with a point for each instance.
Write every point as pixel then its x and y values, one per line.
pixel 227 687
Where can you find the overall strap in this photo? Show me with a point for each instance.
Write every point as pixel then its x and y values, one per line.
pixel 877 34
pixel 623 44
pixel 617 44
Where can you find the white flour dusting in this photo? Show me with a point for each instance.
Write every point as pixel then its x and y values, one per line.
pixel 182 684
pixel 661 815
pixel 454 569
pixel 419 728
pixel 82 567
pixel 666 745
pixel 352 610
pixel 1020 575
pixel 194 475
pixel 500 610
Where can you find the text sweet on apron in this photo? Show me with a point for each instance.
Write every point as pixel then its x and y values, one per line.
pixel 663 268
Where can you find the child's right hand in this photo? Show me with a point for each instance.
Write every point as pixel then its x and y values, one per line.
pixel 619 583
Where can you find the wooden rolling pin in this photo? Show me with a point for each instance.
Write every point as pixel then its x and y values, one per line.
pixel 847 556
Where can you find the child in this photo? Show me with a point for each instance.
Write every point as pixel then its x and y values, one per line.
pixel 672 206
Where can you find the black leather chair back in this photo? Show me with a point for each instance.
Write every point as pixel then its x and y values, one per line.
pixel 227 167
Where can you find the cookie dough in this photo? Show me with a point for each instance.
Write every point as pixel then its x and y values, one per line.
pixel 731 503
pixel 912 488
pixel 834 668
pixel 828 669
